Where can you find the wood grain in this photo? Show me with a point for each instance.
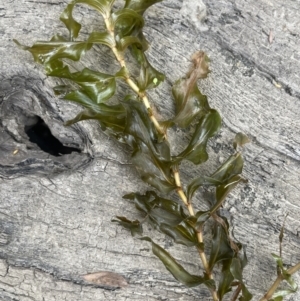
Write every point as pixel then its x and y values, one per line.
pixel 55 227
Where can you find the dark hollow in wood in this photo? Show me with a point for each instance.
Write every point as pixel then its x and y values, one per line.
pixel 33 138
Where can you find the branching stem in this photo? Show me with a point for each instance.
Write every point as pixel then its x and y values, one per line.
pixel 144 98
pixel 277 282
pixel 199 234
pixel 120 58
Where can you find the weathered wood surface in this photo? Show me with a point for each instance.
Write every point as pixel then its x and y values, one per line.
pixel 55 221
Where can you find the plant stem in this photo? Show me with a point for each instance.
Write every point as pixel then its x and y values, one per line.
pixel 129 81
pixel 199 234
pixel 236 293
pixel 143 96
pixel 277 282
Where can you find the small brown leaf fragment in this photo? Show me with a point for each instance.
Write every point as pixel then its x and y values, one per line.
pixel 106 278
pixel 199 69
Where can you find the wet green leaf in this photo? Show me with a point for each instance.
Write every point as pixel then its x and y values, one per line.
pixel 220 247
pixel 99 87
pixel 109 116
pixel 178 272
pixel 102 6
pixel 134 227
pixel 140 5
pixel 223 190
pixel 240 140
pixel 208 126
pixel 236 269
pixel 231 167
pixel 149 77
pixel 226 279
pixel 57 48
pixel 189 102
pixel 201 218
pixel 127 22
pixel 101 38
pixel 67 18
pixel 151 157
pixel 160 210
pixel 183 234
pixel 199 182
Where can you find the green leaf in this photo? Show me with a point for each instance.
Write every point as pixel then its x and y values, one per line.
pixel 67 18
pixel 226 279
pixel 220 247
pixel 149 77
pixel 140 5
pixel 198 182
pixel 189 102
pixel 222 191
pixel 160 210
pixel 99 87
pixel 57 48
pixel 286 276
pixel 127 22
pixel 178 272
pixel 183 234
pixel 125 42
pixel 208 126
pixel 101 38
pixel 230 168
pixel 223 177
pixel 201 218
pixel 236 269
pixel 135 226
pixel 279 298
pixel 110 117
pixel 240 140
pixel 151 157
pixel 102 6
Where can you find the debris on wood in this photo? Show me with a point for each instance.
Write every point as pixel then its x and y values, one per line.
pixel 106 278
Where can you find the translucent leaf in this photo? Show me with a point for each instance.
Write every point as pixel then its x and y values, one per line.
pixel 140 5
pixel 226 279
pixel 109 116
pixel 220 247
pixel 58 48
pixel 127 22
pixel 232 167
pixel 207 127
pixel 151 157
pixel 223 190
pixel 286 276
pixel 240 140
pixel 189 102
pixel 183 234
pixel 149 77
pixel 67 18
pixel 236 269
pixel 178 272
pixel 101 38
pixel 102 6
pixel 198 182
pixel 134 227
pixel 125 42
pixel 159 210
pixel 201 218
